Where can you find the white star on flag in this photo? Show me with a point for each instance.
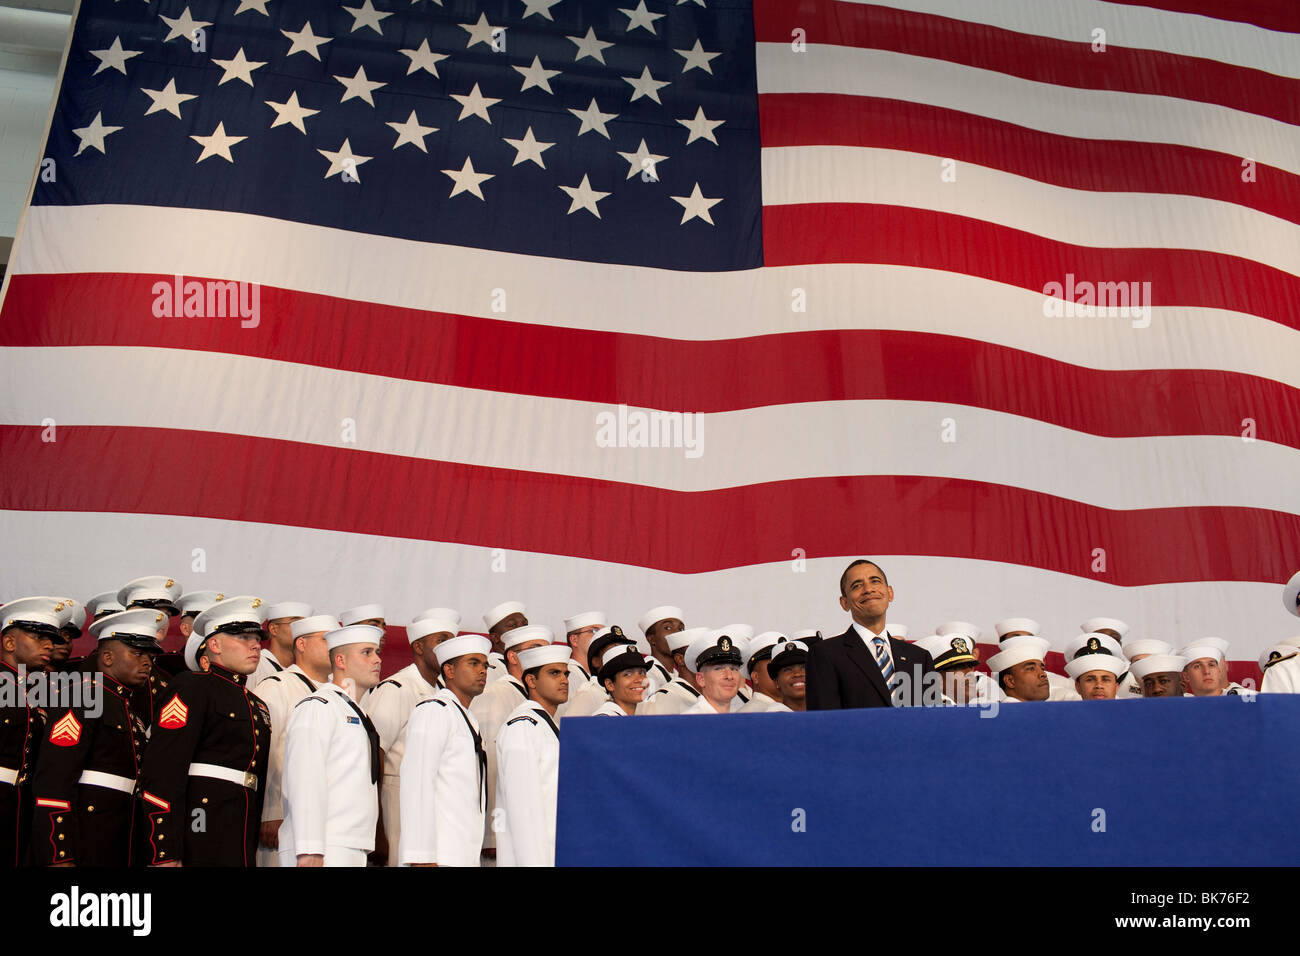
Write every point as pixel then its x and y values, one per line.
pixel 218 144
pixel 305 41
pixel 697 58
pixel 344 161
pixel 467 180
pixel 412 132
pixel 529 148
pixel 238 69
pixel 290 113
pixel 593 119
pixel 535 75
pixel 422 58
pixel 168 99
pixel 695 206
pixel 114 57
pixel 541 7
pixel 645 85
pixel 584 197
pixel 358 87
pixel 474 103
pixel 589 46
pixel 93 135
pixel 480 32
pixel 643 160
pixel 182 27
pixel 366 16
pixel 640 17
pixel 257 6
pixel 701 127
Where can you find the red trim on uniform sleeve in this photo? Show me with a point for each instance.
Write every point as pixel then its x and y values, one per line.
pixel 57 804
pixel 158 802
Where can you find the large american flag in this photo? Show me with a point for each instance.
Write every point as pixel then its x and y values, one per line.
pixel 832 229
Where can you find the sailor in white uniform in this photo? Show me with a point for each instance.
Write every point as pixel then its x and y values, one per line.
pixel 1159 675
pixel 955 662
pixel 1136 650
pixel 278 653
pixel 758 653
pixel 656 624
pixel 332 760
pixel 444 772
pixel 528 761
pixel 623 673
pixel 1019 671
pixel 504 617
pixel 715 661
pixel 1060 686
pixel 390 704
pixel 1096 673
pixel 681 691
pixel 494 705
pixel 578 633
pixel 1280 667
pixel 1206 673
pixel 789 668
pixel 281 693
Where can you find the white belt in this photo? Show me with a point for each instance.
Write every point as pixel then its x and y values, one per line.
pixel 228 774
pixel 8 776
pixel 110 780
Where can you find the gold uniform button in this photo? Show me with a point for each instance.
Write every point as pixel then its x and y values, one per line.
pixel 60 836
pixel 232 713
pixel 58 819
pixel 90 809
pixel 161 854
pixel 162 836
pixel 61 853
pixel 205 800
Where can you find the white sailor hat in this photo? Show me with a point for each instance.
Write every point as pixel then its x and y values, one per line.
pixel 460 646
pixel 1009 625
pixel 957 627
pixel 1157 664
pixel 656 614
pixel 585 619
pixel 1291 594
pixel 353 634
pixel 1198 650
pixel 432 624
pixel 191 653
pixel 1095 624
pixel 155 590
pixel 617 657
pixel 104 603
pixel 787 654
pixel 196 602
pixel 541 656
pixel 442 613
pixel 806 634
pixel 137 628
pixel 759 648
pixel 236 615
pixel 953 650
pixel 713 647
pixel 1218 642
pixel 278 612
pixel 1096 662
pixel 1093 643
pixel 362 612
pixel 680 640
pixel 1147 645
pixel 1017 650
pixel 897 630
pixel 313 625
pixel 1276 654
pixel 529 632
pixel 502 611
pixel 40 615
pixel 739 633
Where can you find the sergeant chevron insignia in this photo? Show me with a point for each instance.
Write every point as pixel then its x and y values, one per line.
pixel 67 731
pixel 175 714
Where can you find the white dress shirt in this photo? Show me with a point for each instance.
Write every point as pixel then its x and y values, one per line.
pixel 528 779
pixel 389 707
pixel 760 703
pixel 281 692
pixel 609 709
pixel 492 707
pixel 701 706
pixel 442 793
pixel 330 797
pixel 869 639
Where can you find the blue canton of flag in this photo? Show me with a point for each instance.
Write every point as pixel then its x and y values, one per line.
pixel 621 133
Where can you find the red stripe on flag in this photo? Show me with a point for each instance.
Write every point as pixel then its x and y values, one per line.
pixel 835 119
pixel 1040 59
pixel 804 233
pixel 118 470
pixel 707 376
pixel 1270 14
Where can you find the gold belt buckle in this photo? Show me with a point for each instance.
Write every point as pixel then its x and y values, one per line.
pixel 250 780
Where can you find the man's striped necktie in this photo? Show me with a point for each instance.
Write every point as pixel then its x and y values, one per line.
pixel 883 659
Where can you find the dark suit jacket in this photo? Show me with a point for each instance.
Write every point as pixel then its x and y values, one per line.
pixel 842 672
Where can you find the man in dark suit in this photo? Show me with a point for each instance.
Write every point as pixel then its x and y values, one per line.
pixel 865 666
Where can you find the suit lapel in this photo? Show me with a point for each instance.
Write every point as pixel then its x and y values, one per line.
pixel 866 661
